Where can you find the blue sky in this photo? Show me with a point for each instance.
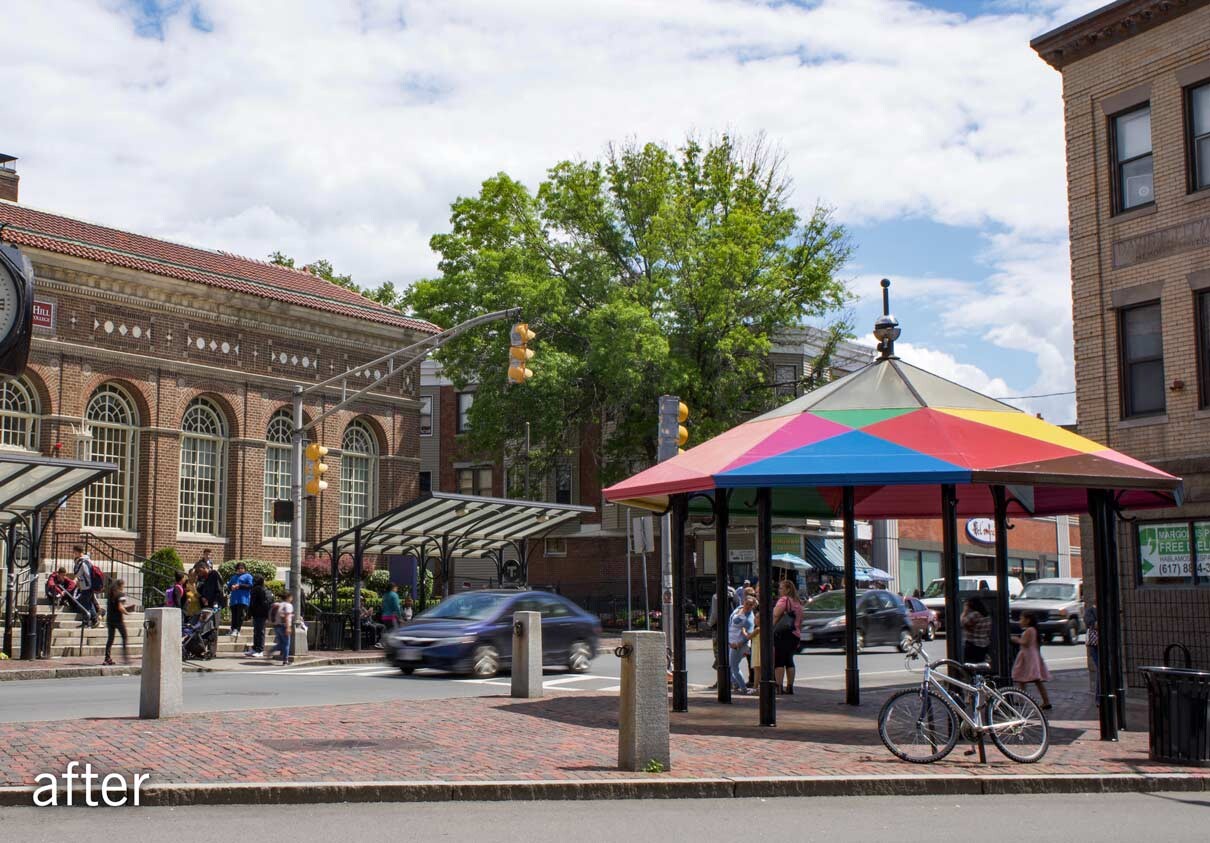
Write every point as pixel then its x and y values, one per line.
pixel 344 130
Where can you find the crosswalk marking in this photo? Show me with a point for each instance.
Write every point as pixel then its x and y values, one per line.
pixel 559 682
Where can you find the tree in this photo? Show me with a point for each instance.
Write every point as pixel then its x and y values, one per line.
pixel 384 294
pixel 651 271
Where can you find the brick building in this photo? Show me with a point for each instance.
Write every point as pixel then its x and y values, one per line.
pixel 1136 90
pixel 177 363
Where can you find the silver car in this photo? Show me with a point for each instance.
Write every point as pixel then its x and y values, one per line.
pixel 1057 603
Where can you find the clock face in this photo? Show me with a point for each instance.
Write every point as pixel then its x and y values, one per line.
pixel 9 301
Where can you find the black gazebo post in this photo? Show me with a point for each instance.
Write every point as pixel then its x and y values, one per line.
pixel 1115 607
pixel 1000 503
pixel 722 611
pixel 357 563
pixel 949 569
pixel 764 560
pixel 680 673
pixel 1106 621
pixel 852 679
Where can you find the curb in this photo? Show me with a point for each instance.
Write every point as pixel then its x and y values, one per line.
pixel 85 671
pixel 308 793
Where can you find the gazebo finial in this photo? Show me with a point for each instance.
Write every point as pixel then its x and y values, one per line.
pixel 886 326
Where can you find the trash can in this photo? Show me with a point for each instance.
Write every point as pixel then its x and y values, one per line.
pixel 333 626
pixel 1179 709
pixel 43 632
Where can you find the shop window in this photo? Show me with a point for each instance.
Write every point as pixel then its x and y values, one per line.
pixel 1168 557
pixel 1197 122
pixel 1132 174
pixel 975 564
pixel 465 400
pixel 426 415
pixel 1141 345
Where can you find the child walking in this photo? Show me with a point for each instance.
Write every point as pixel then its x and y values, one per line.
pixel 1029 666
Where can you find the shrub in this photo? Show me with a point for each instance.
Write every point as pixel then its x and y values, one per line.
pixel 275 586
pixel 378 580
pixel 159 574
pixel 369 597
pixel 255 566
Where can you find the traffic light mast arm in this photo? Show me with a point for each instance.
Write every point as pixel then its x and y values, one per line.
pixel 417 351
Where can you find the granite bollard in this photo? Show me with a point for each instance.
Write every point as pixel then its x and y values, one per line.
pixel 527 655
pixel 160 692
pixel 643 712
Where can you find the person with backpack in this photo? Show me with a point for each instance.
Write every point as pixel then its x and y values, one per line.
pixel 260 601
pixel 86 588
pixel 210 587
pixel 174 596
pixel 115 619
pixel 283 624
pixel 240 588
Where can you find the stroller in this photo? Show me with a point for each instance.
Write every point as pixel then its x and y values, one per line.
pixel 199 637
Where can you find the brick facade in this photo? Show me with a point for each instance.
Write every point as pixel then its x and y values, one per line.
pixel 1126 55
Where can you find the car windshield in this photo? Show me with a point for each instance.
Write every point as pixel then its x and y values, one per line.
pixel 829 601
pixel 465 607
pixel 936 589
pixel 1049 591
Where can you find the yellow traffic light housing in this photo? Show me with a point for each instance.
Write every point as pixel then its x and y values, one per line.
pixel 519 354
pixel 315 468
pixel 682 415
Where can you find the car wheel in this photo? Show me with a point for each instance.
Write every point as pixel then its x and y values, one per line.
pixel 860 640
pixel 485 661
pixel 408 670
pixel 905 640
pixel 1071 634
pixel 579 657
pixel 930 632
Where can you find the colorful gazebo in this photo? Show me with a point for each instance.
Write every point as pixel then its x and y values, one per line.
pixel 894 441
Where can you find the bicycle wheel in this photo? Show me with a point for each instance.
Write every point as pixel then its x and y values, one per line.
pixel 1025 737
pixel 919 728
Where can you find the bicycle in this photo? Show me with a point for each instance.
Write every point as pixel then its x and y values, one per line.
pixel 921 725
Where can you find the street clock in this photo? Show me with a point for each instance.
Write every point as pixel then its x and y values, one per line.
pixel 16 310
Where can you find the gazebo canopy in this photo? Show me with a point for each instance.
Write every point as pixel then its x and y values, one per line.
pixel 894 432
pixel 30 482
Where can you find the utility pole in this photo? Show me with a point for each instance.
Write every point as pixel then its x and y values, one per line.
pixel 671 435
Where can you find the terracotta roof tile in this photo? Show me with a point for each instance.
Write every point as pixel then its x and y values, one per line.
pixel 24 226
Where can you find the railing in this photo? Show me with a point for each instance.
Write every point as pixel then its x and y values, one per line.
pixel 142 578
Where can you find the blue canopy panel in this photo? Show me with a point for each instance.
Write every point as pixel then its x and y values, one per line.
pixel 827 556
pixel 791 560
pixel 850 459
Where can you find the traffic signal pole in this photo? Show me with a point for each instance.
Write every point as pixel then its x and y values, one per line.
pixel 397 361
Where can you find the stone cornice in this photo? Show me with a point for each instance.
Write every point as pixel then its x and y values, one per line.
pixel 1106 27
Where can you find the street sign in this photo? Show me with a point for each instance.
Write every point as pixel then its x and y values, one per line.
pixel 643 534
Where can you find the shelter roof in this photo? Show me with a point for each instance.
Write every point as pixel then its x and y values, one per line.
pixel 30 482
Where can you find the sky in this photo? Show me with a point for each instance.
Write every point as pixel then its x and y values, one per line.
pixel 345 128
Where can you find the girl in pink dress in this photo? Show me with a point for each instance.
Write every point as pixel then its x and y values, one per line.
pixel 1029 666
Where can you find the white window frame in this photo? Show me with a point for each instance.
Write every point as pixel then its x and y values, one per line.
pixel 425 400
pixel 203 449
pixel 464 413
pixel 277 473
pixel 358 474
pixel 109 503
pixel 18 415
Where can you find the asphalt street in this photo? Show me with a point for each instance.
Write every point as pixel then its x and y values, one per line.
pixel 1173 817
pixel 273 686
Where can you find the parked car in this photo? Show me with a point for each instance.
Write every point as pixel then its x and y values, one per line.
pixel 882 618
pixel 1058 605
pixel 472 633
pixel 934 595
pixel 924 619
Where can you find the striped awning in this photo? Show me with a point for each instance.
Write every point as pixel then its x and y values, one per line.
pixel 32 482
pixel 453 524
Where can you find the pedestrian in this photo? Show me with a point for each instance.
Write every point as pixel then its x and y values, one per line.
pixel 1092 640
pixel 1030 666
pixel 712 622
pixel 260 601
pixel 391 610
pixel 210 586
pixel 407 609
pixel 740 627
pixel 754 646
pixel 976 631
pixel 115 619
pixel 82 571
pixel 174 597
pixel 283 624
pixel 193 601
pixel 787 633
pixel 240 587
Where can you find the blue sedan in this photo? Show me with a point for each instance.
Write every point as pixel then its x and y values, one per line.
pixel 472 633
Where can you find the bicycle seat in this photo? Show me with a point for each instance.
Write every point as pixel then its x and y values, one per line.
pixel 981 667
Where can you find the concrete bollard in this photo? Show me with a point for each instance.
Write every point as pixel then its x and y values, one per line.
pixel 527 655
pixel 643 714
pixel 160 693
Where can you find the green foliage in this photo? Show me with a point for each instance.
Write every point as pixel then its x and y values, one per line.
pixel 255 566
pixel 378 580
pixel 651 271
pixel 654 766
pixel 275 586
pixel 160 570
pixel 385 294
pixel 370 599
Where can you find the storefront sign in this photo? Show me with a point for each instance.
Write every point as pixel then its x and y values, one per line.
pixel 44 314
pixel 1162 243
pixel 1164 550
pixel 742 555
pixel 981 530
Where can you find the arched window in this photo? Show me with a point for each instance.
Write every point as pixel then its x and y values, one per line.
pixel 358 475
pixel 18 415
pixel 109 503
pixel 277 471
pixel 203 460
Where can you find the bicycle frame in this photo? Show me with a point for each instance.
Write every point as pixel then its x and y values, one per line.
pixel 937 681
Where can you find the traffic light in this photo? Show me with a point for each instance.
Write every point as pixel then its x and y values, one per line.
pixel 316 468
pixel 672 431
pixel 682 415
pixel 519 353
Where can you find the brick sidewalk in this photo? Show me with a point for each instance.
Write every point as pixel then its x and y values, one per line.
pixel 563 737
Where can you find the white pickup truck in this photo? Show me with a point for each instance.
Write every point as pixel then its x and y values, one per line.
pixel 934 595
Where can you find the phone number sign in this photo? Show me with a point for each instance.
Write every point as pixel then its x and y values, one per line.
pixel 1164 550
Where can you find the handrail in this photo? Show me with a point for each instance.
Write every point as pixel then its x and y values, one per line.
pixel 115 561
